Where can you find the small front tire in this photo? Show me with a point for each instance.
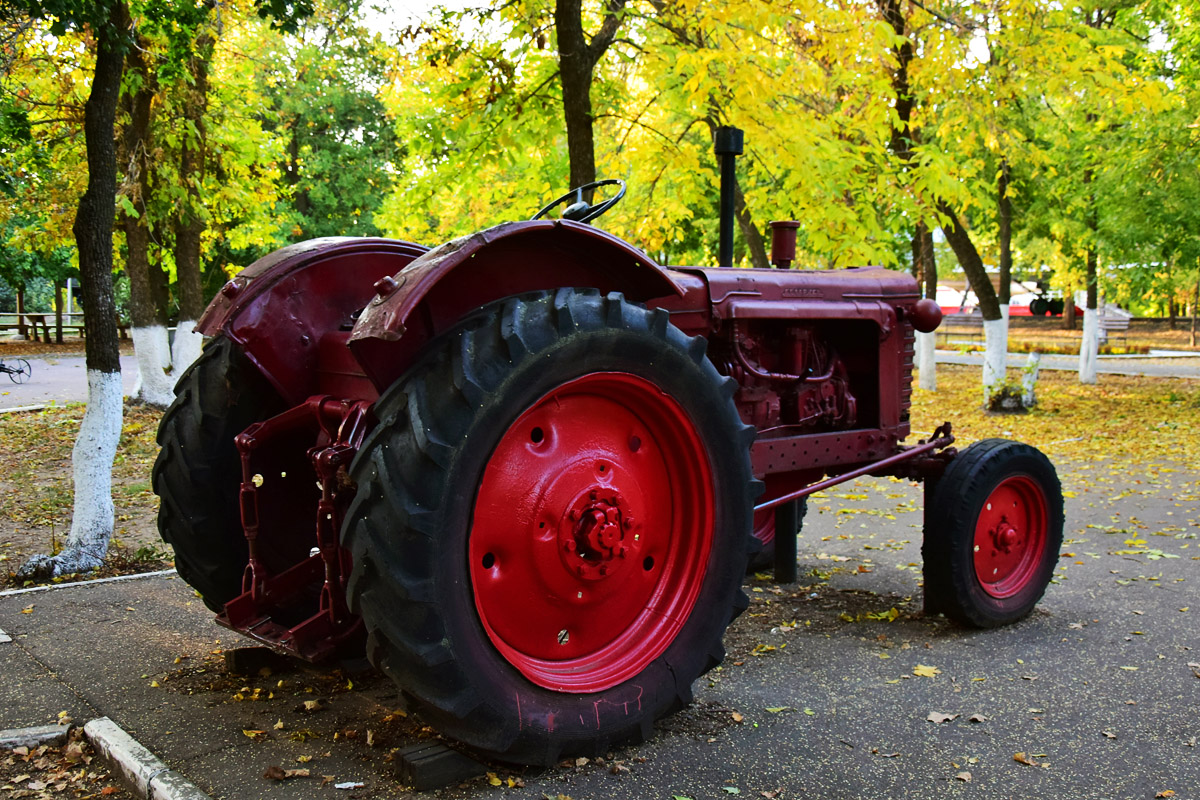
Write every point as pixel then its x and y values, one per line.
pixel 993 530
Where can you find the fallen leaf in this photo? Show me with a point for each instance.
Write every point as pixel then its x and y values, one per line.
pixel 278 725
pixel 779 709
pixel 313 705
pixel 1021 758
pixel 937 717
pixel 965 777
pixel 924 671
pixel 494 780
pixel 1109 735
pixel 1165 793
pixel 296 773
pixel 736 716
pixel 274 773
pixel 304 759
pixel 27 610
pixel 255 735
pixel 977 718
pixel 731 790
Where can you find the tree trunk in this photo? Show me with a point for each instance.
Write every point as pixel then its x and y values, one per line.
pixel 1089 346
pixel 1172 311
pixel 925 270
pixel 995 327
pixel 22 330
pixel 1005 223
pixel 971 263
pixel 577 59
pixel 1195 310
pixel 750 233
pixel 58 310
pixel 149 335
pixel 92 458
pixel 191 223
pixel 575 67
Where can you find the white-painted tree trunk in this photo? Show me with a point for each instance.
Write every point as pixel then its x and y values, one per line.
pixel 1090 346
pixel 927 360
pixel 1029 380
pixel 188 343
pixel 92 460
pixel 153 386
pixel 995 355
pixel 1004 350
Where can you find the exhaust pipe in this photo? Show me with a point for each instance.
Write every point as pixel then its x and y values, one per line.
pixel 727 143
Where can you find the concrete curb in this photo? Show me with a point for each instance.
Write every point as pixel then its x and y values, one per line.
pixel 96 582
pixel 33 737
pixel 142 772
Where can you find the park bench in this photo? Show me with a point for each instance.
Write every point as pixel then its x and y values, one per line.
pixel 1113 321
pixel 961 329
pixel 45 322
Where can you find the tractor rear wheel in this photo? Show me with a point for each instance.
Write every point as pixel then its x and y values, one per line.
pixel 993 530
pixel 552 524
pixel 198 471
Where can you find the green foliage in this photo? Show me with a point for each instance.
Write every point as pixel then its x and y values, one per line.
pixel 318 125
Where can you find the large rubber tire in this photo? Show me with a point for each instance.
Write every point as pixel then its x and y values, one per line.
pixel 198 472
pixel 993 531
pixel 450 485
pixel 764 533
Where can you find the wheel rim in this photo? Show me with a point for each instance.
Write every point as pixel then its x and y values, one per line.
pixel 1010 537
pixel 591 532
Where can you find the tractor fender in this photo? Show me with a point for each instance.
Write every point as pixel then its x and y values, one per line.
pixel 279 308
pixel 445 284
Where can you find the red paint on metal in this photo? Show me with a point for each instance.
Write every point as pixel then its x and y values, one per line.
pixel 294 589
pixel 942 438
pixel 592 532
pixel 926 315
pixel 280 307
pixel 1010 536
pixel 441 287
pixel 783 243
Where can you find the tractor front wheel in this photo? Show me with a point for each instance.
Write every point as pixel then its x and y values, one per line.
pixel 551 525
pixel 993 530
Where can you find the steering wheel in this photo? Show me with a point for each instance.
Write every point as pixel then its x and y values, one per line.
pixel 581 210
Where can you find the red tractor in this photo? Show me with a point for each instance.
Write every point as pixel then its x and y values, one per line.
pixel 528 467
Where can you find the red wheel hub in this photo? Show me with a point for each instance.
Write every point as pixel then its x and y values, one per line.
pixel 591 533
pixel 1010 537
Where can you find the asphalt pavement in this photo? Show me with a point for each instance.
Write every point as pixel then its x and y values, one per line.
pixel 823 694
pixel 57 379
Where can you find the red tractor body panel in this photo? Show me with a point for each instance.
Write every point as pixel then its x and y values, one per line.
pixel 291 312
pixel 445 284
